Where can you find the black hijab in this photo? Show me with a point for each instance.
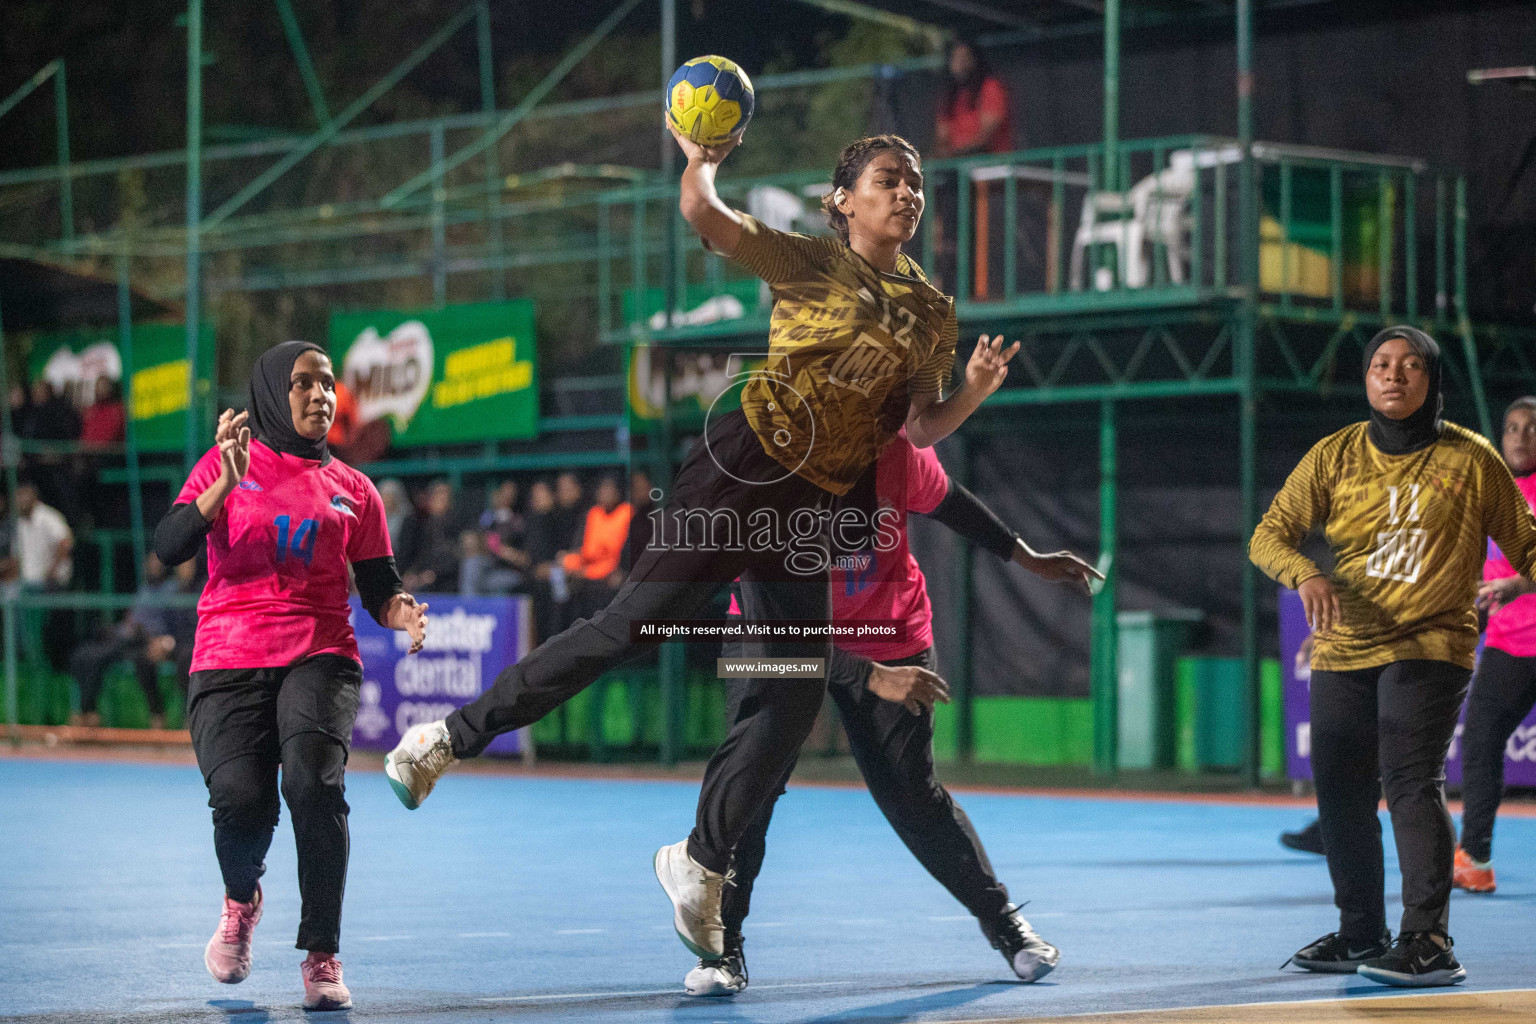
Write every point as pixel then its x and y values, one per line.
pixel 1420 428
pixel 271 415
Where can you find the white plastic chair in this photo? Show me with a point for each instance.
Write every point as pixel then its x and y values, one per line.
pixel 1154 211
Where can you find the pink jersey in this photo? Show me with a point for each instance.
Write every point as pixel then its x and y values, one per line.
pixel 277 560
pixel 888 585
pixel 1512 629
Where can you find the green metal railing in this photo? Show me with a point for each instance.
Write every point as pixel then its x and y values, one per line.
pixel 1343 235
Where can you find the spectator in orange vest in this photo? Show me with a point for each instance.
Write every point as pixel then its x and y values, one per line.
pixel 594 570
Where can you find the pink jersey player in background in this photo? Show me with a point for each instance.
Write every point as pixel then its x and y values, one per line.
pixel 1504 688
pixel 885 690
pixel 275 668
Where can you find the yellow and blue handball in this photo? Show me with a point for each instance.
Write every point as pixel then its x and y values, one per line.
pixel 710 100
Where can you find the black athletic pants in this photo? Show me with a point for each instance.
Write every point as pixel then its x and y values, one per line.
pixel 1503 693
pixel 726 479
pixel 894 752
pixel 247 722
pixel 1386 728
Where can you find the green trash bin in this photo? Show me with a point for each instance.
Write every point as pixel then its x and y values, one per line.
pixel 1150 644
pixel 1220 713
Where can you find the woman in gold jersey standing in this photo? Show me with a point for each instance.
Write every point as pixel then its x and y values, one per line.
pixel 860 345
pixel 1406 502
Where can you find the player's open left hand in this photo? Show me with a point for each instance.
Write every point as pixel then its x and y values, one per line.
pixel 403 612
pixel 697 154
pixel 1058 567
pixel 234 440
pixel 910 685
pixel 1493 595
pixel 988 366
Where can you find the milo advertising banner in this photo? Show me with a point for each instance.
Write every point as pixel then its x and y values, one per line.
pixel 153 381
pixel 441 376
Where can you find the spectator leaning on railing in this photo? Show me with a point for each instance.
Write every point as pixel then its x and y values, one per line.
pixel 397 510
pixel 150 635
pixel 432 543
pixel 498 563
pixel 542 544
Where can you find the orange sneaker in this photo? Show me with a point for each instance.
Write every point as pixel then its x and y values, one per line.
pixel 1471 875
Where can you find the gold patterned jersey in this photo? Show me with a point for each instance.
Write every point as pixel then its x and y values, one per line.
pixel 848 350
pixel 1409 536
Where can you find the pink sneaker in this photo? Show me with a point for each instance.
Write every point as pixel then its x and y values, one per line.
pixel 323 987
pixel 228 956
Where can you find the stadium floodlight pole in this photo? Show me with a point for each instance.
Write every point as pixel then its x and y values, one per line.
pixel 301 55
pixel 1104 642
pixel 669 157
pixel 1245 369
pixel 511 118
pixel 194 217
pixel 9 453
pixel 1111 93
pixel 332 129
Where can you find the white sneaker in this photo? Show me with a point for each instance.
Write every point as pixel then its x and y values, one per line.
pixel 418 761
pixel 695 894
pixel 719 976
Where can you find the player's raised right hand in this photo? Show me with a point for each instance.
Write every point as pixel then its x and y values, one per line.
pixel 697 154
pixel 234 440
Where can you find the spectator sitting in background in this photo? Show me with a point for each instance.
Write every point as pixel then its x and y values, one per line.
pixel 49 416
pixel 52 417
pixel 594 570
pixel 500 560
pixel 44 546
pixel 973 112
pixel 542 545
pixel 8 565
pixel 148 635
pixel 570 510
pixel 433 543
pixel 397 511
pixel 105 423
pixel 44 543
pixel 640 506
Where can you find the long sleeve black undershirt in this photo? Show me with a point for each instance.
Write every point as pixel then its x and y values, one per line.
pixel 179 536
pixel 965 514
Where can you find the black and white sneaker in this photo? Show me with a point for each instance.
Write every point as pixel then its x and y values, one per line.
pixel 1030 956
pixel 1333 954
pixel 719 975
pixel 1416 961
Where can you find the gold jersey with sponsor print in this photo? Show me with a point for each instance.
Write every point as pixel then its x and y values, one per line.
pixel 849 348
pixel 1409 535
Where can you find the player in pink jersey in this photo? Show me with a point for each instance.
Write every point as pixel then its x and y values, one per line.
pixel 884 691
pixel 1504 689
pixel 275 668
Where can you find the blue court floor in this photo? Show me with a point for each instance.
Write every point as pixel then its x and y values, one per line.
pixel 532 900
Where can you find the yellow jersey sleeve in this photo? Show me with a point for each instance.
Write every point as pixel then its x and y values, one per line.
pixel 1507 515
pixel 782 257
pixel 934 374
pixel 1301 505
